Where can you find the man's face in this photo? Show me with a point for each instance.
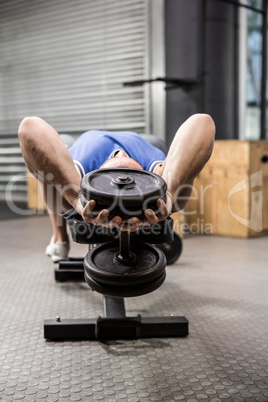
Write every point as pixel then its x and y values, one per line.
pixel 122 160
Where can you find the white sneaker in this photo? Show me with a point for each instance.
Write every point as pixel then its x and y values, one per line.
pixel 58 251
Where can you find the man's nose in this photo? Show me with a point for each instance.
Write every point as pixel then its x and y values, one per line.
pixel 121 154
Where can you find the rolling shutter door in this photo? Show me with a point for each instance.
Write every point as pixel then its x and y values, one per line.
pixel 66 61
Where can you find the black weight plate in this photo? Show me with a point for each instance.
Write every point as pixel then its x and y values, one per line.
pixel 125 192
pixel 172 249
pixel 87 233
pixel 125 291
pixel 102 266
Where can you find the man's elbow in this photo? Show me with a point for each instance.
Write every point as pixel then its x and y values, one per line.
pixel 27 127
pixel 206 121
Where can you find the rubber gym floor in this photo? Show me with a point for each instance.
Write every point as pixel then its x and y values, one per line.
pixel 219 284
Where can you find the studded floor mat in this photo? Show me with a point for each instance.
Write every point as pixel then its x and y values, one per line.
pixel 219 284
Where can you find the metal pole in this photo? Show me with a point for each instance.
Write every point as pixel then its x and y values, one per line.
pixel 114 307
pixel 236 78
pixel 202 57
pixel 124 245
pixel 264 71
pixel 237 4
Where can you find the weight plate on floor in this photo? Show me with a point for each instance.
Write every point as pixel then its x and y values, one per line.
pixel 124 192
pixel 102 266
pixel 126 291
pixel 172 249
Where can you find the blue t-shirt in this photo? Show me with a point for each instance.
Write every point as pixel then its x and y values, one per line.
pixel 93 148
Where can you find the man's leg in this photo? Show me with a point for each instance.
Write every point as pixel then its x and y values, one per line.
pixel 59 229
pixel 59 245
pixel 54 202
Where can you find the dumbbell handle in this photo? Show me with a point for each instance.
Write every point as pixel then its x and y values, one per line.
pixel 124 255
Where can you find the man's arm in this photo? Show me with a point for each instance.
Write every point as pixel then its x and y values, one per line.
pixel 189 151
pixel 48 159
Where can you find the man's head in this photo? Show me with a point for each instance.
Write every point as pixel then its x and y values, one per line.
pixel 121 160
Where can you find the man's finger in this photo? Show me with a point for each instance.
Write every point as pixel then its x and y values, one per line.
pixel 134 221
pixel 163 212
pixel 116 221
pixel 103 215
pixel 134 224
pixel 151 217
pixel 87 211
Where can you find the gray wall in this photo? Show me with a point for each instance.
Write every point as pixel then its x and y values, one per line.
pixel 66 62
pixel 201 41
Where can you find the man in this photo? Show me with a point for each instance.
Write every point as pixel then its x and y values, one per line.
pixel 60 170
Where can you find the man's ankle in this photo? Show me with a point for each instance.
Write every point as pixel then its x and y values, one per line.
pixel 61 238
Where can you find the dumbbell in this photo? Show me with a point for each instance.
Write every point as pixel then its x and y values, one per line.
pixel 121 267
pixel 172 249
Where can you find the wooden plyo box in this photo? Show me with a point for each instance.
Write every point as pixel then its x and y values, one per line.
pixel 178 221
pixel 35 199
pixel 230 195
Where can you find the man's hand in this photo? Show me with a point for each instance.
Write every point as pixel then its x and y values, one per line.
pixel 100 219
pixel 133 224
pixel 151 217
